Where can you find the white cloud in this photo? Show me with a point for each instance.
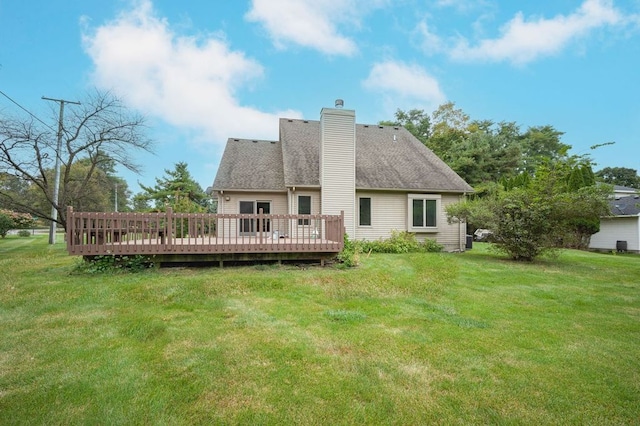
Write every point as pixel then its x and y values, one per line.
pixel 188 82
pixel 404 86
pixel 308 23
pixel 429 40
pixel 461 5
pixel 523 41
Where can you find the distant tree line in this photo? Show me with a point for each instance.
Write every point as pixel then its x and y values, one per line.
pixel 532 194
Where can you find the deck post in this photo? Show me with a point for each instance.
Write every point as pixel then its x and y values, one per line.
pixel 260 223
pixel 342 228
pixel 70 221
pixel 169 226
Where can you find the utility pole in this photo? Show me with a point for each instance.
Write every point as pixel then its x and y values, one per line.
pixel 56 187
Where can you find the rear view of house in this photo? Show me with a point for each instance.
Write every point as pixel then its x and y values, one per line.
pixel 381 178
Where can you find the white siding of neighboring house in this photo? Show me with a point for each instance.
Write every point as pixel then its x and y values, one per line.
pixel 338 164
pixel 627 192
pixel 389 211
pixel 614 229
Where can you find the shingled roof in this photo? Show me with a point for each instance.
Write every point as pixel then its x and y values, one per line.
pixel 625 206
pixel 390 157
pixel 250 165
pixel 387 157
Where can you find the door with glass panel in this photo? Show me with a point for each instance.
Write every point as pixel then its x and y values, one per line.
pixel 247 225
pixel 265 206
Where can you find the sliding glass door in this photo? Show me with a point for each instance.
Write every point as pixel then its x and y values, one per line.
pixel 249 226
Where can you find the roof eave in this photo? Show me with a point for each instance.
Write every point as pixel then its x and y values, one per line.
pixel 222 190
pixel 438 190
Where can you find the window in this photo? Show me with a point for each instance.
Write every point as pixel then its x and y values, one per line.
pixel 365 211
pixel 423 211
pixel 304 207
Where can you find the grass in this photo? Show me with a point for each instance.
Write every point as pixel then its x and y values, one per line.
pixel 403 339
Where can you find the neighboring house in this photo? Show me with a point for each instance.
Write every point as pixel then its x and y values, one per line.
pixel 381 177
pixel 624 191
pixel 621 230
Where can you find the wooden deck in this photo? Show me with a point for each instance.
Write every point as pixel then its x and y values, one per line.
pixel 204 236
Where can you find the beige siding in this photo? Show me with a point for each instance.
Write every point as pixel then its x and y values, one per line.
pixel 617 229
pixel 451 236
pixel 232 206
pixel 337 164
pixel 278 201
pixel 389 211
pixel 315 201
pixel 304 229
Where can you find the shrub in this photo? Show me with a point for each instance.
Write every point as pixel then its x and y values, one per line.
pixel 432 246
pixel 20 220
pixel 401 242
pixel 350 254
pixel 114 264
pixel 24 233
pixel 523 229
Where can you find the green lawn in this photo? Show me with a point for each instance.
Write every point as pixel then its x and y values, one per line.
pixel 403 339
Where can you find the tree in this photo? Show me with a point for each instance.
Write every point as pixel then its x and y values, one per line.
pixel 484 155
pixel 450 127
pixel 92 195
pixel 416 121
pixel 540 144
pixel 176 189
pixel 555 207
pixel 101 131
pixel 622 176
pixel 479 151
pixel 10 184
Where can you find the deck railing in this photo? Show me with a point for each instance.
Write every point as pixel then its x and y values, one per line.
pixel 100 233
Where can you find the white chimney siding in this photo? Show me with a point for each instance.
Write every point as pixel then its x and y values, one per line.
pixel 338 164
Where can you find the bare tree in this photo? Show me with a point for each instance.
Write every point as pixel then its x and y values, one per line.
pixel 101 131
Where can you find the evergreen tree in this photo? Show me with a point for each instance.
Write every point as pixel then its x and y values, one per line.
pixel 176 189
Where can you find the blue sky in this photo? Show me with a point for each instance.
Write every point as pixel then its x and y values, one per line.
pixel 203 71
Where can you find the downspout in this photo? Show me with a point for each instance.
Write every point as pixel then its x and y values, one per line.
pixel 462 246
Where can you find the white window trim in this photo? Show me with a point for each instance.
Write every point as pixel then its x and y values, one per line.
pixel 438 200
pixel 370 212
pixel 305 222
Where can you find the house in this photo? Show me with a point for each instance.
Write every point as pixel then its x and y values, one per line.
pixel 381 178
pixel 624 191
pixel 621 230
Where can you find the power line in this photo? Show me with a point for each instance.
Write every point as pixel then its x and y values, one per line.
pixel 26 110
